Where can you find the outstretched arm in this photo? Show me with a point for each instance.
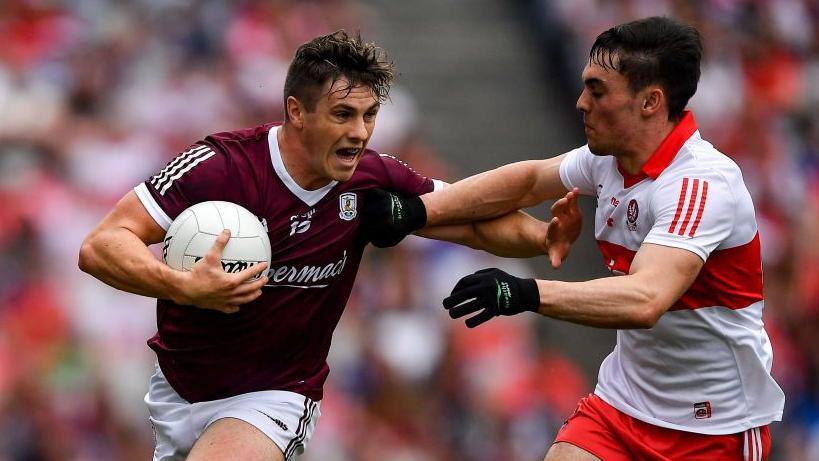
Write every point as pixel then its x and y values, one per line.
pixel 389 216
pixel 519 235
pixel 658 276
pixel 116 252
pixel 495 192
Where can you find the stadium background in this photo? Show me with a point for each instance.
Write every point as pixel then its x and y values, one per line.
pixel 96 95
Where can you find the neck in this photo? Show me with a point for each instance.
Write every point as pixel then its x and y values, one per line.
pixel 644 144
pixel 294 155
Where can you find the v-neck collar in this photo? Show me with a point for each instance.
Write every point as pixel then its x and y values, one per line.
pixel 310 197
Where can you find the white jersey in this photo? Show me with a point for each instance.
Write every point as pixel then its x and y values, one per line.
pixel 705 366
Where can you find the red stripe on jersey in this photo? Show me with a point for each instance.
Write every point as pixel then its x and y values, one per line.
pixel 730 278
pixel 679 206
pixel 617 258
pixel 690 210
pixel 699 212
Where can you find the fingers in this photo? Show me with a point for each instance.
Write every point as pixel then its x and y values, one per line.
pixel 467 307
pixel 251 272
pixel 567 203
pixel 472 322
pixel 571 199
pixel 215 252
pixel 560 205
pixel 555 251
pixel 555 258
pixel 461 293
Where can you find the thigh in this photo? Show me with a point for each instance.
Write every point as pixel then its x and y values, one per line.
pixel 286 419
pixel 563 451
pixel 234 439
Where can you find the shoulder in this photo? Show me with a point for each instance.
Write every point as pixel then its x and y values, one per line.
pixel 374 163
pixel 235 141
pixel 703 181
pixel 700 162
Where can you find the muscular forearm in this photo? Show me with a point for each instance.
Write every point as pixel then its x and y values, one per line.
pixel 482 196
pixel 496 192
pixel 515 235
pixel 613 302
pixel 119 258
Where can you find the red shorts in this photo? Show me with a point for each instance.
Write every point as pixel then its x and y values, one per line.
pixel 611 435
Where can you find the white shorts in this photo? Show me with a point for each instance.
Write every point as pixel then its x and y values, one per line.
pixel 288 418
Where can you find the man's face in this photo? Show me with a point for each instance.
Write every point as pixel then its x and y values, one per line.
pixel 337 131
pixel 611 112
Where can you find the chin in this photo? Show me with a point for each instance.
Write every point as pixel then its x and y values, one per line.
pixel 598 150
pixel 343 176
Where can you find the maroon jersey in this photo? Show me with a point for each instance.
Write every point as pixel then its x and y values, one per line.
pixel 279 341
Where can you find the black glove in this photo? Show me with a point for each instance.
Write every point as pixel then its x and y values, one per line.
pixel 388 217
pixel 494 291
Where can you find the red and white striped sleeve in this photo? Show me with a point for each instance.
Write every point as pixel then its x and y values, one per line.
pixel 692 211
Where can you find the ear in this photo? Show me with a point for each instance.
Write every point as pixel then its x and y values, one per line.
pixel 653 100
pixel 295 112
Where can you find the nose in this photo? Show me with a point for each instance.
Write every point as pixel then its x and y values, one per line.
pixel 359 130
pixel 582 103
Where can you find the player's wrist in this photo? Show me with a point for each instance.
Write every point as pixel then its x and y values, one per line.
pixel 529 294
pixel 416 213
pixel 176 286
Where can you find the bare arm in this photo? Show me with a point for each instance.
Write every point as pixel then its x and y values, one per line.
pixel 116 252
pixel 518 235
pixel 495 192
pixel 659 275
pixel 515 235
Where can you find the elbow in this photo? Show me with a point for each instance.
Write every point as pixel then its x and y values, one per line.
pixel 86 258
pixel 648 311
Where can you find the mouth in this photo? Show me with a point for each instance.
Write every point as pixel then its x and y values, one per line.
pixel 348 154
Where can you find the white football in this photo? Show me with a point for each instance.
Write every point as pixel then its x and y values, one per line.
pixel 192 234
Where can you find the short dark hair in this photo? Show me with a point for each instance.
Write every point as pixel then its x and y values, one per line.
pixel 655 50
pixel 331 57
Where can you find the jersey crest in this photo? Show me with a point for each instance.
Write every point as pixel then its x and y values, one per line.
pixel 347 204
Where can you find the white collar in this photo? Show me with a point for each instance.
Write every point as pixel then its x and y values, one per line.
pixel 310 197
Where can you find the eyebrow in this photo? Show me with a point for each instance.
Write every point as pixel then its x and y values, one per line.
pixel 346 106
pixel 594 81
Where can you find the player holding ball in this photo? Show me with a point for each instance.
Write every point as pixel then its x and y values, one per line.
pixel 248 385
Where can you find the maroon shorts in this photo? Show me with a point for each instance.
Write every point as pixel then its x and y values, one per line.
pixel 611 435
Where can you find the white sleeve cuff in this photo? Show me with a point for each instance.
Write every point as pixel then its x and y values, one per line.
pixel 152 207
pixel 677 243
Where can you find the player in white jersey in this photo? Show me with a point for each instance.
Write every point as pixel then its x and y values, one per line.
pixel 689 378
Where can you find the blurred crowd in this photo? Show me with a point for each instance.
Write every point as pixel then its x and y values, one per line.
pixel 96 95
pixel 758 102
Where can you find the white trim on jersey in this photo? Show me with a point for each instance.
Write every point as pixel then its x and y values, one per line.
pixel 185 169
pixel 179 166
pixel 175 162
pixel 437 184
pixel 153 208
pixel 310 197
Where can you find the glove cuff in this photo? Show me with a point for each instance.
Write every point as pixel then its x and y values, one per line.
pixel 529 295
pixel 416 213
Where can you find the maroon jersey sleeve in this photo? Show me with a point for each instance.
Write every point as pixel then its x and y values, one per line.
pixel 196 175
pixel 399 177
